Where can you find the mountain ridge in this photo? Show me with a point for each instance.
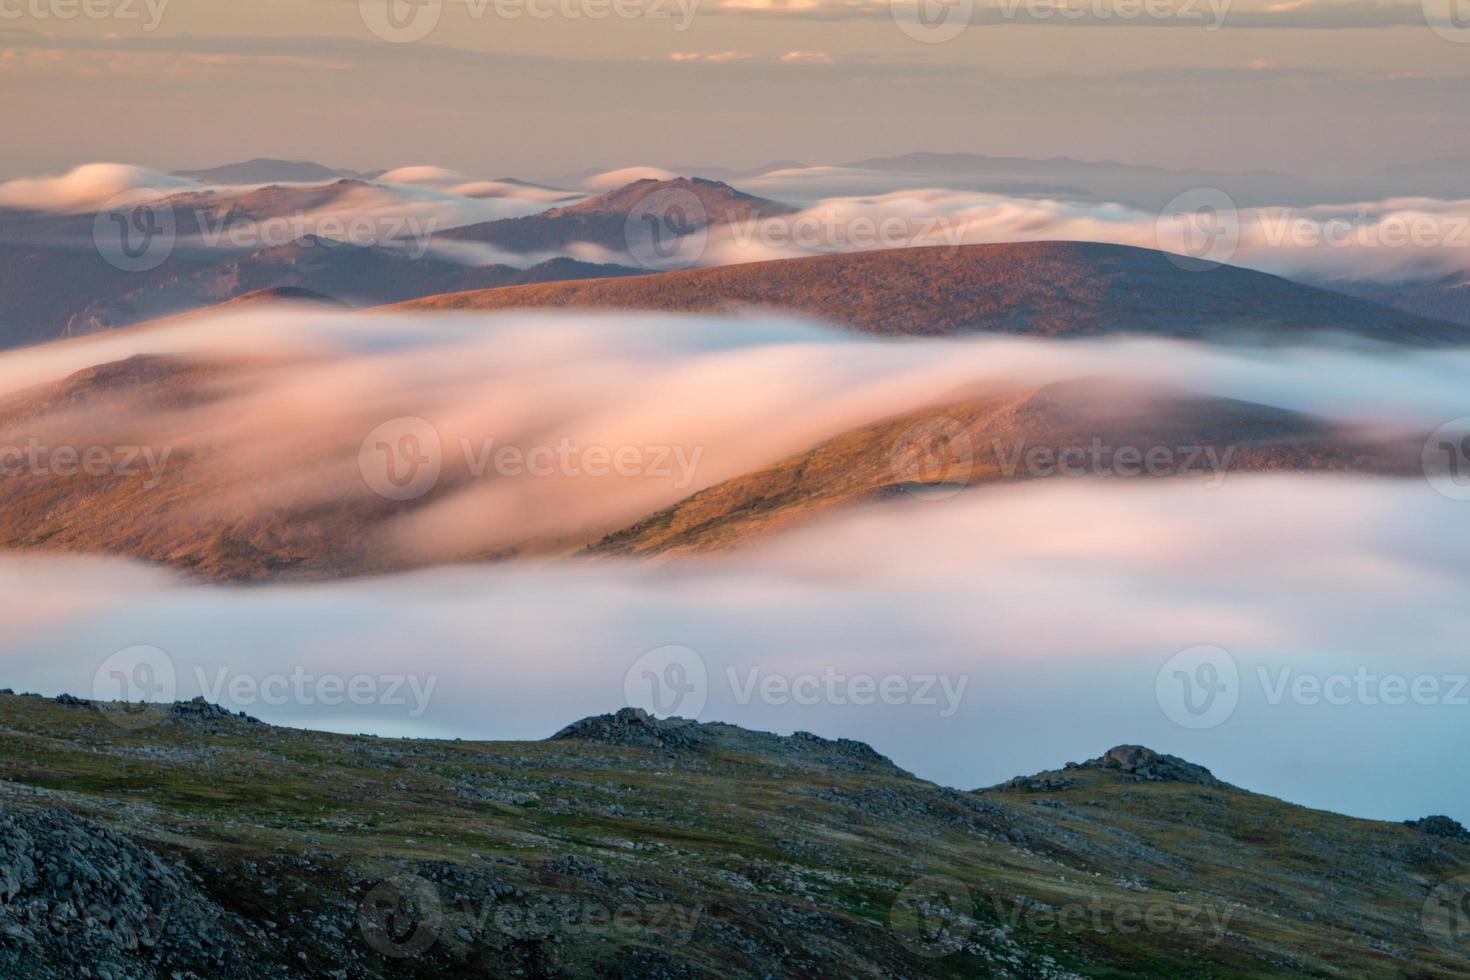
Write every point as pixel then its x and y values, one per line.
pixel 276 850
pixel 602 220
pixel 1053 289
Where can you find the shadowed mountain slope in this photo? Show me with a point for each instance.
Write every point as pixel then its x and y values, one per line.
pixel 263 170
pixel 1047 289
pixel 55 280
pixel 603 220
pixel 357 275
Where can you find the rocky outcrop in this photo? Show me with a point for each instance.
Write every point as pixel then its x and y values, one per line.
pixel 1146 764
pixel 1439 825
pixel 200 710
pixel 634 726
pixel 79 900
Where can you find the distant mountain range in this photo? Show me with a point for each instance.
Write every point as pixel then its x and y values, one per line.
pixel 355 275
pixel 1146 186
pixel 1447 177
pixel 1048 289
pixel 1445 299
pixel 603 221
pixel 578 178
pixel 263 170
pixel 1150 186
pixel 54 282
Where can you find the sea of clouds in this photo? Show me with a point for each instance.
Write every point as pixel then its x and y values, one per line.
pixel 839 209
pixel 1026 626
pixel 697 400
pixel 1015 629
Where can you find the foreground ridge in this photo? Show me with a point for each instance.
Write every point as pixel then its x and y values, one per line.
pixel 628 845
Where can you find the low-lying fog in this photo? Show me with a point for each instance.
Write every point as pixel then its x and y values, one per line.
pixel 1302 636
pixel 694 400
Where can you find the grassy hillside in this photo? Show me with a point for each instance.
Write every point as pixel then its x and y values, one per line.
pixel 186 842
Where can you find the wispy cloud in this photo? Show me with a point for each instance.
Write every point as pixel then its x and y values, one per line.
pixel 718 57
pixel 808 58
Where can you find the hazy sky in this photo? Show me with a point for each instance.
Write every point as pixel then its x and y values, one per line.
pixel 1312 86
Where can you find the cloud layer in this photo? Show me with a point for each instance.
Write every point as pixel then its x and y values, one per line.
pixel 1399 239
pixel 685 402
pixel 1051 610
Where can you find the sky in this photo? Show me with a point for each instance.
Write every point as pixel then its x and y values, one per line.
pixel 537 88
